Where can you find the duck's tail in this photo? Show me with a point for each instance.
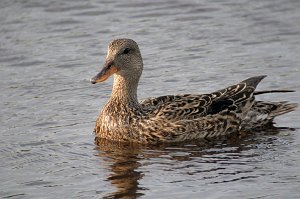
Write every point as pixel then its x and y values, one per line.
pixel 254 81
pixel 274 108
pixel 262 114
pixel 272 91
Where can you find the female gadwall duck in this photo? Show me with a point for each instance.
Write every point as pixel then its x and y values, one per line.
pixel 176 118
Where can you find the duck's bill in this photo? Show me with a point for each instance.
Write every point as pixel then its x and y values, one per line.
pixel 105 73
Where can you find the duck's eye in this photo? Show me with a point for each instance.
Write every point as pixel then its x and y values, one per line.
pixel 126 51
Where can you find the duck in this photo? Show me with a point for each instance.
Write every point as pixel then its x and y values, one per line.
pixel 181 117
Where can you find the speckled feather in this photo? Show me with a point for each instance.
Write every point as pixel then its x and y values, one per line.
pixel 176 118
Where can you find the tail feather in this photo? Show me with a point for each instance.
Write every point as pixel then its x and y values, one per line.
pixel 283 108
pixel 262 114
pixel 272 91
pixel 254 81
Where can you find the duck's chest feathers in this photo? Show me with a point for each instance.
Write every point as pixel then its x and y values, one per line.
pixel 119 116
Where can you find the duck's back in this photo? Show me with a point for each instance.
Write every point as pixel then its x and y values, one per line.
pixel 237 98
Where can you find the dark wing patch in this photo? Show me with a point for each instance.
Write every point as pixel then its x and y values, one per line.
pixel 220 105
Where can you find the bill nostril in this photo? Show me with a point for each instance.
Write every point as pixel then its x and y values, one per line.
pixel 109 65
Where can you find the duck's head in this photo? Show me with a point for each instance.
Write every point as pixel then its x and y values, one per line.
pixel 123 59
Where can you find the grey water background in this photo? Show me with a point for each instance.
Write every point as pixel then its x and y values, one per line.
pixel 50 49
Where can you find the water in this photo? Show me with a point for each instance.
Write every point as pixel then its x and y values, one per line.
pixel 50 49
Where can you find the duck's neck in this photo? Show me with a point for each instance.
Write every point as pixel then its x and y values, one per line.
pixel 124 92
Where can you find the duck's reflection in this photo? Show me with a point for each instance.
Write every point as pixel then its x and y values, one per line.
pixel 123 160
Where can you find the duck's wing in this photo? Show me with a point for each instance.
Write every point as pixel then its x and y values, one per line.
pixel 237 98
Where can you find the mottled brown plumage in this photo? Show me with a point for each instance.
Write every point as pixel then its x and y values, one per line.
pixel 175 118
